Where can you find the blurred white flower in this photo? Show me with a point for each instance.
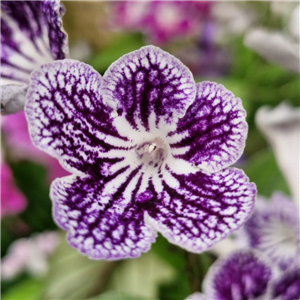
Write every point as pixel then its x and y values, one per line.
pixel 281 127
pixel 29 254
pixel 282 8
pixel 225 247
pixel 232 18
pixel 80 50
pixel 278 47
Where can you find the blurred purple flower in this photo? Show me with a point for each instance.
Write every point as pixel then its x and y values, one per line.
pixel 149 150
pixel 205 58
pixel 29 254
pixel 20 147
pixel 161 20
pixel 247 275
pixel 273 229
pixel 31 34
pixel 12 200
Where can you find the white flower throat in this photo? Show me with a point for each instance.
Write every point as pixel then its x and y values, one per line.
pixel 152 153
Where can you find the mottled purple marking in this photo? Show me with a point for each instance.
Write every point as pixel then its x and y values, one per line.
pixel 287 287
pixel 242 275
pixel 71 119
pixel 215 128
pixel 148 81
pixel 39 24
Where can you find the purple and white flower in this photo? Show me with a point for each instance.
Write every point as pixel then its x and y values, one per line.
pixel 241 275
pixel 287 286
pixel 148 149
pixel 273 229
pixel 247 275
pixel 31 34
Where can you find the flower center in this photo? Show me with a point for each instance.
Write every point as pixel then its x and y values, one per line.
pixel 152 153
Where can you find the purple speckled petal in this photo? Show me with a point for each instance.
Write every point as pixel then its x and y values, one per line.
pixel 213 131
pixel 101 223
pixel 68 120
pixel 195 211
pixel 273 229
pixel 287 287
pixel 148 85
pixel 242 275
pixel 31 34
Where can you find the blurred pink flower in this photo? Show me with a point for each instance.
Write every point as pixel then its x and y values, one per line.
pixel 30 254
pixel 161 20
pixel 15 130
pixel 12 200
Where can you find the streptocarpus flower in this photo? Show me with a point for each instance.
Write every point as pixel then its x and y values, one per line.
pixel 241 275
pixel 149 150
pixel 249 276
pixel 161 21
pixel 273 229
pixel 287 287
pixel 15 132
pixel 12 200
pixel 31 34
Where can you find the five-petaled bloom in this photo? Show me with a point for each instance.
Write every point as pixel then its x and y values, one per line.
pixel 148 149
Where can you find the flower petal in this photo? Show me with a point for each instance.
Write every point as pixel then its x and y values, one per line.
pixel 201 209
pixel 147 81
pixel 275 47
pixel 213 129
pixel 31 34
pixel 100 224
pixel 242 275
pixel 67 118
pixel 287 287
pixel 273 229
pixel 281 127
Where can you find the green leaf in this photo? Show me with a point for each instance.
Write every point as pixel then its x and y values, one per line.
pixel 74 276
pixel 29 289
pixel 114 296
pixel 173 255
pixel 141 276
pixel 263 170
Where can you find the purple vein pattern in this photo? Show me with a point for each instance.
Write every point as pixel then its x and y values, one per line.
pixel 242 275
pixel 273 229
pixel 287 287
pixel 125 137
pixel 31 34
